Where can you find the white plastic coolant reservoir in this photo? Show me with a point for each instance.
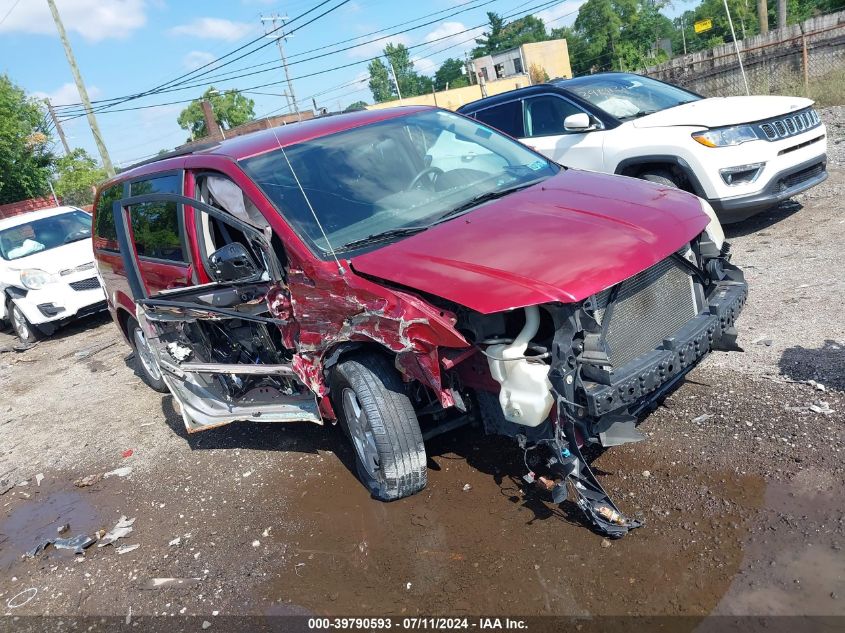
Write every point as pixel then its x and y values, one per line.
pixel 526 396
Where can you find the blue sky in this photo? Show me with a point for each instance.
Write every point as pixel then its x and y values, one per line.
pixel 127 46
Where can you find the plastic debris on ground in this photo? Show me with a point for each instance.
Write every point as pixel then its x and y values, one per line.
pixel 39 478
pixel 127 453
pixel 78 544
pixel 161 583
pixel 121 529
pixel 123 471
pixel 822 406
pixel 125 549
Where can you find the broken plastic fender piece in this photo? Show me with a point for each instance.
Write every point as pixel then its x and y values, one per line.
pixel 120 530
pixel 78 543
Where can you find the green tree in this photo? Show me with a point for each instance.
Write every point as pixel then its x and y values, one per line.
pixel 358 105
pixel 380 83
pixel 451 73
pixel 230 109
pixel 77 175
pixel 25 157
pixel 502 36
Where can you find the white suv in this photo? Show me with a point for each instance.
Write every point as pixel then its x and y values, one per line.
pixel 47 272
pixel 741 154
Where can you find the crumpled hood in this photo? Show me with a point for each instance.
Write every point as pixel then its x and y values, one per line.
pixel 57 259
pixel 561 240
pixel 720 111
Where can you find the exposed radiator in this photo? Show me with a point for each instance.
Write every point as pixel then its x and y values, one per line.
pixel 649 307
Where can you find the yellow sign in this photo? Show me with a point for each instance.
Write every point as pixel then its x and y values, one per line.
pixel 703 25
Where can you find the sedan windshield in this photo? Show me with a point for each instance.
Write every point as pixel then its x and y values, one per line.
pixel 42 235
pixel 378 183
pixel 627 96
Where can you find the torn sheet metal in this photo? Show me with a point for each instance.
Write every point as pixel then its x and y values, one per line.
pixel 121 529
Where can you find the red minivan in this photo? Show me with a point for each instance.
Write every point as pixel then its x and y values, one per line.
pixel 408 271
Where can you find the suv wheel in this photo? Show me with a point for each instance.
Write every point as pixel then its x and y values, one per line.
pixel 378 418
pixel 145 365
pixel 26 331
pixel 662 177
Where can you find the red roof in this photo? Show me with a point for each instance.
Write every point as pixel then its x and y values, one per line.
pixel 266 140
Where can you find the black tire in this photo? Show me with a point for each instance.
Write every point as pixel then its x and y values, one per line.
pixel 27 333
pixel 151 376
pixel 395 440
pixel 661 177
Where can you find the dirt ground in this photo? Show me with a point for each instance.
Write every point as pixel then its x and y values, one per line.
pixel 739 482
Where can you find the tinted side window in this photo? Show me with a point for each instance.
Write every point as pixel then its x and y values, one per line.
pixel 105 234
pixel 506 117
pixel 163 184
pixel 544 115
pixel 155 228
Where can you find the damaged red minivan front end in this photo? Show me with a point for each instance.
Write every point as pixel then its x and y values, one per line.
pixel 411 271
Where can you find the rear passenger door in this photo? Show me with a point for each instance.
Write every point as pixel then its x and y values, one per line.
pixel 157 232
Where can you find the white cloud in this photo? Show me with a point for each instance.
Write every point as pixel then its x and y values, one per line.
pixel 374 49
pixel 195 59
pixel 424 65
pixel 66 94
pixel 214 29
pixel 559 15
pixel 95 20
pixel 452 34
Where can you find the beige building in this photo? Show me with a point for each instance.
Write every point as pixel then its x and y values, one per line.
pixel 498 73
pixel 551 56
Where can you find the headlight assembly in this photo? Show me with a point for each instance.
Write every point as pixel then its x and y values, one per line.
pixel 35 279
pixel 726 136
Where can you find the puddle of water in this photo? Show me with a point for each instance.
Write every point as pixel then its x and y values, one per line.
pixel 491 549
pixel 36 520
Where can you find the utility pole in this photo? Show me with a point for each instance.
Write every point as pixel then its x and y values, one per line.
pixel 214 130
pixel 781 13
pixel 58 125
pixel 395 80
pixel 83 93
pixel 763 16
pixel 278 34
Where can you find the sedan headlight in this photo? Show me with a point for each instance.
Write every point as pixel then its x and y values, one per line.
pixel 713 230
pixel 35 279
pixel 726 136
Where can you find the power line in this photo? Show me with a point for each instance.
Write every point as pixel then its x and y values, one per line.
pixel 540 6
pixel 233 74
pixel 9 12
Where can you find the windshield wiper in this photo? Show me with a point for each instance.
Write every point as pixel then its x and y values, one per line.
pixel 482 198
pixel 375 238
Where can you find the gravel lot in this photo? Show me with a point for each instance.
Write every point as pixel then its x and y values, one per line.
pixel 740 482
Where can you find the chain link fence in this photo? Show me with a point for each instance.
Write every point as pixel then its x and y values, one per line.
pixel 802 59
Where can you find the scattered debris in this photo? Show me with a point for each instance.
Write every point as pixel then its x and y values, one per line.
pixel 125 549
pixel 175 542
pixel 822 406
pixel 606 543
pixel 206 624
pixel 78 543
pixel 817 385
pixel 127 453
pixel 63 528
pixel 467 487
pixel 266 532
pixel 646 473
pixel 256 543
pixel 123 471
pixel 88 480
pixel 14 603
pixel 296 568
pixel 35 551
pixel 702 418
pixel 120 530
pixel 5 487
pixel 763 341
pixel 39 478
pixel 160 583
pixel 95 349
pixel 25 495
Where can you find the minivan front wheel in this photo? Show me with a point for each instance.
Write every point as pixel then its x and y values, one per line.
pixel 380 421
pixel 26 331
pixel 145 363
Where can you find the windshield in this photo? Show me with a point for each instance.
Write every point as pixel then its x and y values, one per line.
pixel 382 181
pixel 629 96
pixel 42 235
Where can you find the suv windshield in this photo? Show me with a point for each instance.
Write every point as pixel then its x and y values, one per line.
pixel 380 182
pixel 42 235
pixel 629 96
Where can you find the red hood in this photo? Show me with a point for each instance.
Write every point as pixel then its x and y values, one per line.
pixel 561 240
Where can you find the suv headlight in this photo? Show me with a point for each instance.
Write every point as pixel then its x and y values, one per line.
pixel 35 279
pixel 713 230
pixel 726 136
